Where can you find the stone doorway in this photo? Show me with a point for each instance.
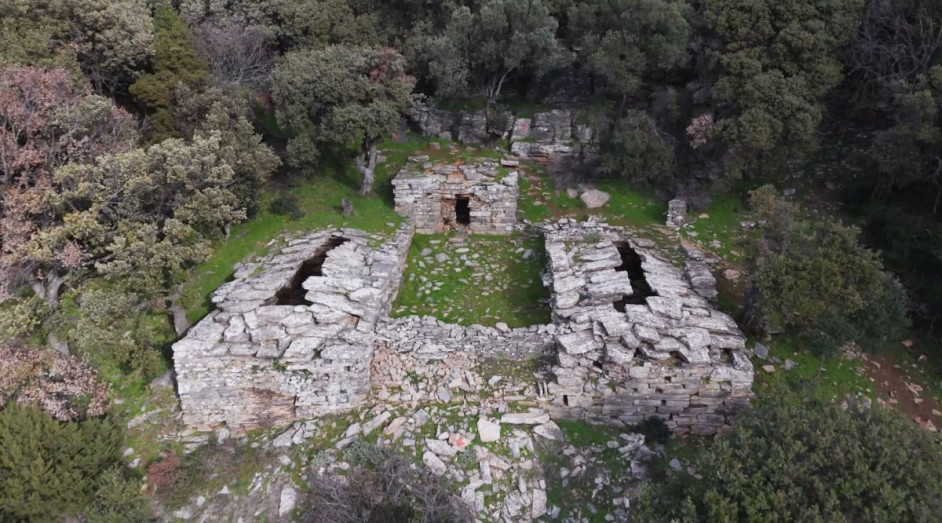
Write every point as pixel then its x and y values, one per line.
pixel 640 288
pixel 462 210
pixel 293 293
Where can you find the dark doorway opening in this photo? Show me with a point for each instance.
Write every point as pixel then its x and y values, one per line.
pixel 293 293
pixel 462 210
pixel 640 289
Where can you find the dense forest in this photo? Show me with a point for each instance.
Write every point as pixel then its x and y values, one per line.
pixel 136 135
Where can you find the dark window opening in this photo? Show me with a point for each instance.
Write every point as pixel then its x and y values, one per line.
pixel 293 293
pixel 565 400
pixel 462 210
pixel 640 289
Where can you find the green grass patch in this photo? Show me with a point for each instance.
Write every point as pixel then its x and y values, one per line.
pixel 718 227
pixel 468 279
pixel 829 377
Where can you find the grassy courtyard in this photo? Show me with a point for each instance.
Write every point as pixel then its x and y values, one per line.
pixel 468 279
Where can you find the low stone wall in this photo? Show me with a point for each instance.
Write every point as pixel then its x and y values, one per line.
pixel 628 348
pixel 428 194
pixel 253 362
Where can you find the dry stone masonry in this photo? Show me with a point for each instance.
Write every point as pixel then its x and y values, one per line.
pixel 549 133
pixel 305 331
pixel 480 198
pixel 636 339
pixel 292 334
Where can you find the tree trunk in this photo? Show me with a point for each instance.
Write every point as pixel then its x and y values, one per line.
pixel 366 164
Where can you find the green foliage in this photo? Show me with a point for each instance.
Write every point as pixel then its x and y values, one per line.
pixel 810 461
pixel 20 316
pixel 290 24
pixel 175 62
pixel 286 205
pixel 637 151
pixel 813 274
pixel 777 62
pixel 118 499
pixel 109 39
pixel 342 97
pixel 626 40
pixel 910 151
pixel 147 215
pixel 480 48
pixel 49 468
pixel 104 325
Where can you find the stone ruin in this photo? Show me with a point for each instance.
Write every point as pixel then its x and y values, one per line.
pixel 545 134
pixel 305 331
pixel 479 198
pixel 292 334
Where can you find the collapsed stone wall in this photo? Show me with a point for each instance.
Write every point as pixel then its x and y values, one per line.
pixel 254 362
pixel 547 133
pixel 425 359
pixel 431 195
pixel 629 349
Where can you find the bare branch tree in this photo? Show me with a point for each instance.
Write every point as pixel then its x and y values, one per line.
pixel 237 54
pixel 896 42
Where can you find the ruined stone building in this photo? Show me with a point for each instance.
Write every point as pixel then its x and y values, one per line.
pixel 480 198
pixel 306 330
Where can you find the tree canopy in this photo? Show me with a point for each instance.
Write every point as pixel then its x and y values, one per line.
pixel 808 461
pixel 341 97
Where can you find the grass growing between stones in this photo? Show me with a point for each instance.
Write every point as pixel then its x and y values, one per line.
pixel 575 483
pixel 467 279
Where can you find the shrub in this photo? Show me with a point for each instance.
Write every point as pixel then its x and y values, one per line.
pixel 808 462
pixel 118 499
pixel 62 386
pixel 637 151
pixel 381 486
pixel 813 274
pixel 107 327
pixel 162 475
pixel 50 468
pixel 286 206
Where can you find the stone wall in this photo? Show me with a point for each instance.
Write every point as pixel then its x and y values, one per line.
pixel 254 362
pixel 547 133
pixel 629 348
pixel 632 336
pixel 428 194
